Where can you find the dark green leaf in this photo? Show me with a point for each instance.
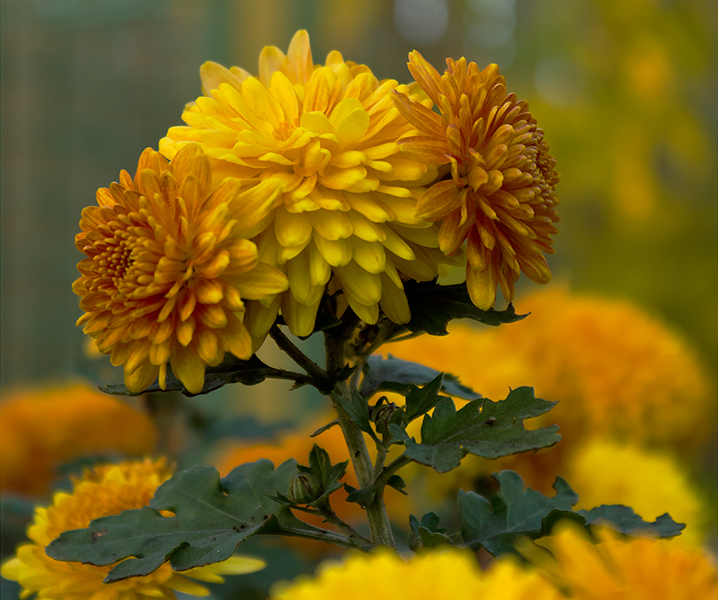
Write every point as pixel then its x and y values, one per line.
pixel 433 306
pixel 516 511
pixel 396 482
pixel 320 466
pixel 427 533
pixel 396 375
pixel 419 401
pixel 230 370
pixel 357 408
pixel 482 427
pixel 325 428
pixel 211 517
pixel 363 497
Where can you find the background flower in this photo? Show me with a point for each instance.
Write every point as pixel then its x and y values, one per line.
pixel 105 490
pixel 327 136
pixel 168 267
pixel 444 574
pixel 44 427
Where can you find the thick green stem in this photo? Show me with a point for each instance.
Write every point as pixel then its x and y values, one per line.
pixel 379 526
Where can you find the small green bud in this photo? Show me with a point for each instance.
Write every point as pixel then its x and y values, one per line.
pixel 304 489
pixel 382 415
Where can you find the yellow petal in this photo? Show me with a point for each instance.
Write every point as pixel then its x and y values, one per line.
pixel 332 224
pixel 299 317
pixel 368 255
pixel 393 301
pixel 439 200
pixel 351 129
pixel 300 57
pixel 336 252
pixel 271 60
pixel 292 229
pixel 319 270
pixel 261 282
pixel 481 286
pixel 365 287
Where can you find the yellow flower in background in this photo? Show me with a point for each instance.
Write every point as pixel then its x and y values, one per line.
pixel 104 491
pixel 500 198
pixel 168 268
pixel 622 568
pixel 42 428
pixel 615 371
pixel 445 574
pixel 651 483
pixel 327 136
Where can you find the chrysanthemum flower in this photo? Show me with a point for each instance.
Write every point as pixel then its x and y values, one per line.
pixel 499 194
pixel 446 574
pixel 622 568
pixel 327 136
pixel 168 268
pixel 45 427
pixel 104 491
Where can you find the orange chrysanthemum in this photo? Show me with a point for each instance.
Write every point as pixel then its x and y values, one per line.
pixel 105 490
pixel 327 136
pixel 45 427
pixel 500 196
pixel 168 268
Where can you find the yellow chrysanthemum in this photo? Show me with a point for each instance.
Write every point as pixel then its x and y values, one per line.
pixel 500 197
pixel 327 136
pixel 651 483
pixel 104 491
pixel 623 568
pixel 169 268
pixel 45 427
pixel 445 574
pixel 615 371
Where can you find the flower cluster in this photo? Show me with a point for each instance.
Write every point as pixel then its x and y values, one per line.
pixel 305 181
pixel 105 490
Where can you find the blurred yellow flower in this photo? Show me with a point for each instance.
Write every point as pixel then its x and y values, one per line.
pixel 327 137
pixel 168 269
pixel 500 197
pixel 615 371
pixel 45 427
pixel 622 568
pixel 104 491
pixel 444 574
pixel 651 483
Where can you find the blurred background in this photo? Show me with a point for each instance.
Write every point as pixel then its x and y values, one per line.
pixel 624 89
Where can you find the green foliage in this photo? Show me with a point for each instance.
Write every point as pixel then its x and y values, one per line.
pixel 211 517
pixel 397 375
pixel 329 476
pixel 433 306
pixel 482 427
pixel 427 533
pixel 514 511
pixel 230 370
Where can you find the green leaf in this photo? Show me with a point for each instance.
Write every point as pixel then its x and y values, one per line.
pixel 427 533
pixel 230 370
pixel 419 401
pixel 363 497
pixel 397 375
pixel 211 517
pixel 320 466
pixel 357 408
pixel 482 427
pixel 516 511
pixel 396 482
pixel 433 306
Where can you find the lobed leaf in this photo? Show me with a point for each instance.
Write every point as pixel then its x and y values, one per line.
pixel 482 427
pixel 433 306
pixel 396 375
pixel 211 517
pixel 514 511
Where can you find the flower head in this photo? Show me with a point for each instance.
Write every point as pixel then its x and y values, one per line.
pixel 622 568
pixel 45 427
pixel 445 574
pixel 104 491
pixel 327 136
pixel 168 268
pixel 500 196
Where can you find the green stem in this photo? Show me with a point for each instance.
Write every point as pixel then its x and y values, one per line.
pixel 390 469
pixel 379 526
pixel 316 373
pixel 322 535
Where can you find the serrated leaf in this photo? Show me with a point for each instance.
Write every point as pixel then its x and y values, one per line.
pixel 230 370
pixel 320 466
pixel 482 427
pixel 396 375
pixel 515 511
pixel 363 497
pixel 419 401
pixel 211 517
pixel 427 534
pixel 357 408
pixel 433 306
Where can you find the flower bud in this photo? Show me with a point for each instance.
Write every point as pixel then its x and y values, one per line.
pixel 382 415
pixel 304 489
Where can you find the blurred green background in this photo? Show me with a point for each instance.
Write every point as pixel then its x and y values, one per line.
pixel 625 90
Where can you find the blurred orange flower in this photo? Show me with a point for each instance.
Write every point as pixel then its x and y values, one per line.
pixel 43 428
